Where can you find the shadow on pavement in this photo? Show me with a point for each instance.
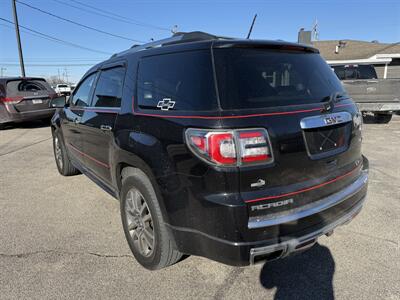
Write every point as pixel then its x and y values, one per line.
pixel 27 125
pixel 307 275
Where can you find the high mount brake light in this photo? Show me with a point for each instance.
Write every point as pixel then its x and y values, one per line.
pixel 230 147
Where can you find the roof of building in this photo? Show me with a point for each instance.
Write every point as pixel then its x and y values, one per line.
pixel 354 49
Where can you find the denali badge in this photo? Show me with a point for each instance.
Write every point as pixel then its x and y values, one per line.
pixel 273 204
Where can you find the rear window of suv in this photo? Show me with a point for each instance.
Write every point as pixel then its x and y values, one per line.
pixel 259 78
pixel 24 87
pixel 179 81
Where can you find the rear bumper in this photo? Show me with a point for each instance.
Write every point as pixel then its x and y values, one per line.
pixel 379 106
pixel 275 237
pixel 286 248
pixel 8 116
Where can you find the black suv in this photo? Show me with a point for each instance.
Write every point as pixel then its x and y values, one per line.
pixel 237 150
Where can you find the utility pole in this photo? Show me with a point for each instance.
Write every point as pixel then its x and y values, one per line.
pixel 66 74
pixel 21 58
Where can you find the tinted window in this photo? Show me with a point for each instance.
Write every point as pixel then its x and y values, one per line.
pixel 26 87
pixel 366 72
pixel 179 81
pixel 257 78
pixel 82 95
pixel 108 90
pixel 339 70
pixel 355 72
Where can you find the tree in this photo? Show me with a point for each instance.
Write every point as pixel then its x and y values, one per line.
pixel 54 80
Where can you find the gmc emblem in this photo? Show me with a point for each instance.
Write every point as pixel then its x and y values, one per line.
pixel 333 120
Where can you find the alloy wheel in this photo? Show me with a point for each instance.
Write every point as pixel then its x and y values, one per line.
pixel 58 152
pixel 139 222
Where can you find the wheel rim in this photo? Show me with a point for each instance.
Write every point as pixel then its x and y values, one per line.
pixel 140 222
pixel 58 152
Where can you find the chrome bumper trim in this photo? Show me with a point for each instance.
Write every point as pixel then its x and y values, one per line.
pixel 312 208
pixel 294 245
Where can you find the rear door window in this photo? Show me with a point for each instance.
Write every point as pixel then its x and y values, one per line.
pixel 339 71
pixel 108 92
pixel 366 72
pixel 82 95
pixel 177 81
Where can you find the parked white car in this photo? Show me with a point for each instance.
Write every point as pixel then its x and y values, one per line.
pixel 63 89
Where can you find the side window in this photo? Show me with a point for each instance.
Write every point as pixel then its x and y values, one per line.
pixel 108 92
pixel 82 95
pixel 339 70
pixel 366 72
pixel 350 73
pixel 177 81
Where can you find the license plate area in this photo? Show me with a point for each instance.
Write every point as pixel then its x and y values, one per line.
pixel 326 135
pixel 37 101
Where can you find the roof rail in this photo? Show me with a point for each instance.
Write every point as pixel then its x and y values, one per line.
pixel 177 38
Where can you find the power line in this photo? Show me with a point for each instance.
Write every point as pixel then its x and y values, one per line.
pixel 122 17
pixel 47 65
pixel 52 38
pixel 78 24
pixel 110 15
pixel 53 59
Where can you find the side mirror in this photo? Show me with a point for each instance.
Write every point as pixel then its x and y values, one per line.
pixel 58 102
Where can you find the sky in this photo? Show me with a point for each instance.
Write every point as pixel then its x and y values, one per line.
pixel 144 20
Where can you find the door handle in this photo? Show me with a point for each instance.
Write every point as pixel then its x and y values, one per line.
pixel 105 127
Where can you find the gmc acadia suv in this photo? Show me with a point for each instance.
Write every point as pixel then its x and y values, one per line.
pixel 241 151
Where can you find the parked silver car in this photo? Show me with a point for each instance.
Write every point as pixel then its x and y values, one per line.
pixel 25 99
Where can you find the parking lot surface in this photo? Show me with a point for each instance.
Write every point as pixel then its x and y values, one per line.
pixel 61 237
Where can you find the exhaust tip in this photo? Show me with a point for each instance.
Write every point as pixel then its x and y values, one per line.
pixel 329 233
pixel 267 257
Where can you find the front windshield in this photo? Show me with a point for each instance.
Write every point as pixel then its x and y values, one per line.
pixel 259 78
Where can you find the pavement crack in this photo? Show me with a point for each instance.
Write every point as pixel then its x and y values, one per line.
pixel 28 254
pixel 223 288
pixel 24 147
pixel 373 237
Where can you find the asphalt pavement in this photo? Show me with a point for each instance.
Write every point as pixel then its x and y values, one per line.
pixel 61 237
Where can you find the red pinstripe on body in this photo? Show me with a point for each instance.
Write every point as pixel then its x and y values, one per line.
pixel 90 157
pixel 230 117
pixel 303 190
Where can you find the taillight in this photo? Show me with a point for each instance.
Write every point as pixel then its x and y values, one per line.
pixel 254 146
pixel 230 147
pixel 11 100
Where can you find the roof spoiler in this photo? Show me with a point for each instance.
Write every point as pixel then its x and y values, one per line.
pixel 177 38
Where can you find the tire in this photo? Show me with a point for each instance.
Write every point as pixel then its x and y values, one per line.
pixel 138 194
pixel 382 118
pixel 63 163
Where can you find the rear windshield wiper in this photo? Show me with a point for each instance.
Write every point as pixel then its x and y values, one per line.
pixel 334 97
pixel 329 101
